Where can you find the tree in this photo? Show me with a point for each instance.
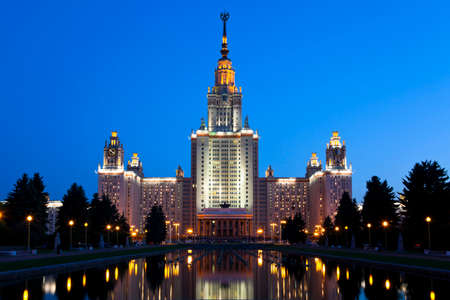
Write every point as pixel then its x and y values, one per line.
pixel 379 205
pixel 426 192
pixel 27 198
pixel 348 217
pixel 328 228
pixel 293 231
pixel 102 212
pixel 74 208
pixel 156 225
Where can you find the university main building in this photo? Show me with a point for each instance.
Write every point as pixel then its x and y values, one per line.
pixel 225 197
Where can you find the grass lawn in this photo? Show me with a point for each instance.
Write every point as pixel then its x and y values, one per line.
pixel 431 262
pixel 47 261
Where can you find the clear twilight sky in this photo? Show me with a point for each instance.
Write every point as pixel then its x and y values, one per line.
pixel 72 71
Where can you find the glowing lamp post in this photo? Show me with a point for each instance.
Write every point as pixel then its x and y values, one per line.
pixel 261 231
pixel 170 231
pixel 108 228
pixel 370 237
pixel 273 229
pixel 117 234
pixel 71 223
pixel 428 220
pixel 176 230
pixel 85 233
pixel 29 219
pixel 385 225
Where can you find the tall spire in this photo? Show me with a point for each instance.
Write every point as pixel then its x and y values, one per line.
pixel 224 17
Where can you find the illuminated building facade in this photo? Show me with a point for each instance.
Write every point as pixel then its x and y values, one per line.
pixel 224 197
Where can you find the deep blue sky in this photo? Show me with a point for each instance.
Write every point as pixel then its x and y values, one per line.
pixel 72 71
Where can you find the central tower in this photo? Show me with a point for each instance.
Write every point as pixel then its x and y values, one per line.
pixel 224 156
pixel 224 100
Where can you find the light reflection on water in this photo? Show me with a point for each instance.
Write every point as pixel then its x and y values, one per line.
pixel 229 274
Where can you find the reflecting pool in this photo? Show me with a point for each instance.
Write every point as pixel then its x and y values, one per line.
pixel 230 274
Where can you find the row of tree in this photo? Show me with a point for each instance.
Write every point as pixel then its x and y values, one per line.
pixel 384 216
pixel 87 221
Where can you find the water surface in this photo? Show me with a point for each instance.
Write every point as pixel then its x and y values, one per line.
pixel 230 274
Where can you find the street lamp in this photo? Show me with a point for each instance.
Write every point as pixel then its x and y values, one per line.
pixel 117 234
pixel 170 231
pixel 261 231
pixel 71 223
pixel 85 233
pixel 428 220
pixel 108 228
pixel 273 229
pixel 29 219
pixel 176 230
pixel 370 237
pixel 385 225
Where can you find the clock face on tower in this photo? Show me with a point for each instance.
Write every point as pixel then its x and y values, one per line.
pixel 111 152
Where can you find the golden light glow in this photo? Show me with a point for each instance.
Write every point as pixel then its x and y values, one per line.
pixel 176 269
pixel 114 134
pixel 336 228
pixel 116 273
pixel 306 231
pixel 338 273
pixel 189 259
pixel 260 261
pixel 117 228
pixel 273 269
pixel 260 231
pixel 84 280
pixel 86 224
pixel 283 272
pixel 108 227
pixel 69 284
pixel 135 269
pixel 133 234
pixel 1 214
pixel 428 219
pixel 316 234
pixel 369 225
pixel 25 294
pixel 432 295
pixel 29 218
pixel 283 221
pixel 385 224
pixel 166 271
pixel 387 284
pixel 190 231
pixel 107 275
pixel 346 227
pixel 189 251
pixel 370 279
pixel 323 269
pixel 347 274
pixel 71 223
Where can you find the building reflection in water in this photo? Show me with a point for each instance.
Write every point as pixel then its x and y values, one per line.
pixel 230 274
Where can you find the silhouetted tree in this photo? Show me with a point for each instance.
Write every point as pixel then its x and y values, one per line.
pixel 74 208
pixel 379 205
pixel 27 198
pixel 293 231
pixel 426 192
pixel 102 212
pixel 156 225
pixel 328 233
pixel 348 216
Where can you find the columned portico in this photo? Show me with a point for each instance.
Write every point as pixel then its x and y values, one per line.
pixel 224 223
